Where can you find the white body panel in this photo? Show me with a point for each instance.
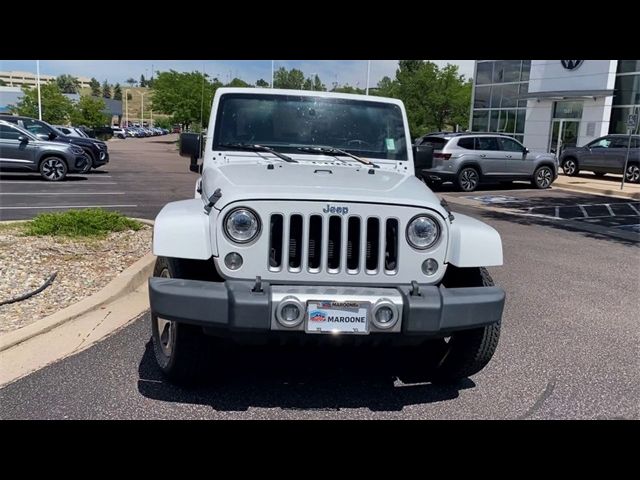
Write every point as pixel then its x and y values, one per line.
pixel 182 230
pixel 185 230
pixel 473 243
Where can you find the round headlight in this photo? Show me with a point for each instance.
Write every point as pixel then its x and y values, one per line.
pixel 242 225
pixel 423 232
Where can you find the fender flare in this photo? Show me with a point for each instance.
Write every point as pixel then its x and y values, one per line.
pixel 470 163
pixel 473 243
pixel 182 230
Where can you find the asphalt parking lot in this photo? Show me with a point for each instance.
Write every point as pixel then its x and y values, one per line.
pixel 142 176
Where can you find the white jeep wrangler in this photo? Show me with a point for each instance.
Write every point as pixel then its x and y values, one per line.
pixel 309 225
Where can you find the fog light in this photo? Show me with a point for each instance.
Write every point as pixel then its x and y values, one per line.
pixel 290 312
pixel 233 261
pixel 385 314
pixel 429 267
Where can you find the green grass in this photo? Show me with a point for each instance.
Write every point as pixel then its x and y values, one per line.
pixel 92 222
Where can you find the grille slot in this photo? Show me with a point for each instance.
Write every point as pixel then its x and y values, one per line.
pixel 315 242
pixel 295 242
pixel 353 244
pixel 275 242
pixel 334 244
pixel 373 245
pixel 391 246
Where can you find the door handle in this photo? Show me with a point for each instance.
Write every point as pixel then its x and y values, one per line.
pixel 508 156
pixel 482 155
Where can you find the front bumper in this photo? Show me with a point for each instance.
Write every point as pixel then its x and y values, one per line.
pixel 235 307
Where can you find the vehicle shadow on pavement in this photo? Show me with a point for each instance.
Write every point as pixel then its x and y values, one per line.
pixel 451 188
pixel 326 379
pixel 72 177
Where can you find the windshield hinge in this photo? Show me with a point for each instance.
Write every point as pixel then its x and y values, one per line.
pixel 445 205
pixel 213 199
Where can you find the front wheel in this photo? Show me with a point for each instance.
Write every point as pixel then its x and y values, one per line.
pixel 570 167
pixel 183 352
pixel 542 177
pixel 53 169
pixel 632 174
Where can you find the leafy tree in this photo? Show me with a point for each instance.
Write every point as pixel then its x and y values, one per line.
pixel 96 91
pixel 68 84
pixel 149 83
pixel 143 82
pixel 236 82
pixel 106 90
pixel 180 95
pixel 117 92
pixel 131 81
pixel 89 111
pixel 262 83
pixel 162 122
pixel 293 79
pixel 348 89
pixel 3 83
pixel 318 86
pixel 56 108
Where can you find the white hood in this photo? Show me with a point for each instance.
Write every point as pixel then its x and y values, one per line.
pixel 322 182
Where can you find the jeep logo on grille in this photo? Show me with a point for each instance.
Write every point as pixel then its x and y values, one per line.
pixel 334 209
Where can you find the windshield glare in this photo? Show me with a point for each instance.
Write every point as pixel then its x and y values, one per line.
pixel 285 122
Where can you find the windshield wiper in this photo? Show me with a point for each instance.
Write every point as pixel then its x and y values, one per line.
pixel 334 150
pixel 258 148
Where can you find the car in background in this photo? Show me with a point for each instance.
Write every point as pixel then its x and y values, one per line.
pixel 96 150
pixel 468 159
pixel 604 155
pixel 20 150
pixel 71 131
pixel 119 132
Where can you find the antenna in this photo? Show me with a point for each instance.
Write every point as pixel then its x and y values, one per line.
pixel 202 98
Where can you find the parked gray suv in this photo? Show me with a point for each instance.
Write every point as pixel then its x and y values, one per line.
pixel 20 150
pixel 468 159
pixel 604 155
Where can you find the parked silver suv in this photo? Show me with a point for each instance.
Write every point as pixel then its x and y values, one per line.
pixel 20 150
pixel 468 159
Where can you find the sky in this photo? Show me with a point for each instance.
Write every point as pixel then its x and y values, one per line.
pixel 352 72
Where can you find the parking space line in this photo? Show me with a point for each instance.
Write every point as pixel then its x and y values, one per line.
pixel 8 182
pixel 633 208
pixel 66 206
pixel 610 210
pixel 63 193
pixel 583 210
pixel 557 212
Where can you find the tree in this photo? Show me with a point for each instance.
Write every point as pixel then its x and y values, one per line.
pixel 56 108
pixel 293 79
pixel 106 90
pixel 181 96
pixel 143 82
pixel 236 82
pixel 435 98
pixel 3 83
pixel 89 111
pixel 68 84
pixel 131 81
pixel 262 83
pixel 348 89
pixel 117 92
pixel 96 91
pixel 318 86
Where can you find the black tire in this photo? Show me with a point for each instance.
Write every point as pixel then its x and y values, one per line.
pixel 53 169
pixel 183 352
pixel 468 351
pixel 570 167
pixel 468 179
pixel 92 158
pixel 632 174
pixel 599 174
pixel 542 177
pixel 87 167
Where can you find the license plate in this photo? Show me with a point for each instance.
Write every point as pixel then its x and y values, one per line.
pixel 327 316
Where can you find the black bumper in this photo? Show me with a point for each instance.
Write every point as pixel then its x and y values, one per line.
pixel 233 306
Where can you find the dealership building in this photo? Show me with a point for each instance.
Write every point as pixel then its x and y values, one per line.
pixel 550 103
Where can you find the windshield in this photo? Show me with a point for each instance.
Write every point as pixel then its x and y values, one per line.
pixel 286 122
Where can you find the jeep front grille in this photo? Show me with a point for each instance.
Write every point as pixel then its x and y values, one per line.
pixel 333 244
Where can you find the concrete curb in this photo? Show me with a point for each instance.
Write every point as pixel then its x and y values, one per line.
pixel 126 282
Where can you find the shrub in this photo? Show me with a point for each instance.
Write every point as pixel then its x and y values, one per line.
pixel 80 223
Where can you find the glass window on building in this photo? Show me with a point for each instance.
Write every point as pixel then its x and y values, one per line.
pixel 507 71
pixel 482 97
pixel 520 119
pixel 627 90
pixel 626 66
pixel 484 73
pixel 480 121
pixel 567 109
pixel 524 89
pixel 619 116
pixel 504 96
pixel 503 121
pixel 526 69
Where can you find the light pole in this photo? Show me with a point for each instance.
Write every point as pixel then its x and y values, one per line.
pixel 39 97
pixel 272 63
pixel 368 74
pixel 126 106
pixel 142 94
pixel 313 80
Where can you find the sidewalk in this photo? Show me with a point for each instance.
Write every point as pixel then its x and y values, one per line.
pixel 588 182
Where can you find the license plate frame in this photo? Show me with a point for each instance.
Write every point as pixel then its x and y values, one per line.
pixel 351 308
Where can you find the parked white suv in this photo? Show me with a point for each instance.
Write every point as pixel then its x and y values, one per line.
pixel 309 225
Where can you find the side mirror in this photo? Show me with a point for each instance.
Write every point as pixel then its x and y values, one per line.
pixel 526 150
pixel 422 157
pixel 191 146
pixel 52 136
pixel 23 139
